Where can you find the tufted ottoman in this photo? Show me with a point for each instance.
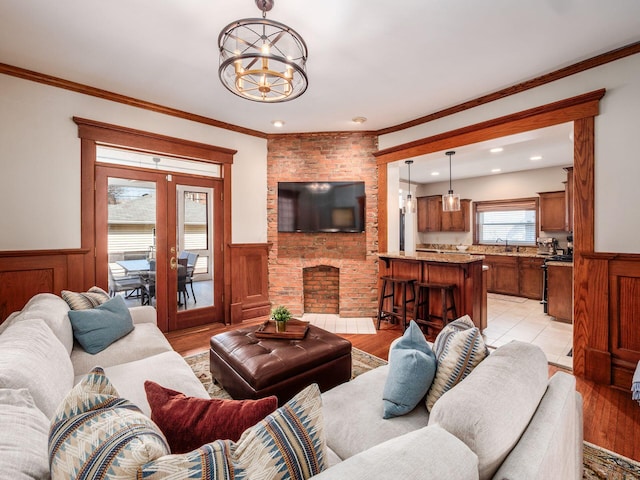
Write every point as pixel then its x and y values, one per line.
pixel 251 367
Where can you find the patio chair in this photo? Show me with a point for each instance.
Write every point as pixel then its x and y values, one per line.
pixel 182 282
pixel 149 284
pixel 191 266
pixel 125 284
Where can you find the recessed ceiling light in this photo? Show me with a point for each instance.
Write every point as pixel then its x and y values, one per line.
pixel 536 157
pixel 496 170
pixel 496 150
pixel 278 123
pixel 435 174
pixel 359 120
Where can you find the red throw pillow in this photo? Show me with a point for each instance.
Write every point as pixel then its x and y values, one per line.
pixel 190 422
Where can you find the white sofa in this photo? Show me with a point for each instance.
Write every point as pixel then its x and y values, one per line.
pixel 38 352
pixel 506 420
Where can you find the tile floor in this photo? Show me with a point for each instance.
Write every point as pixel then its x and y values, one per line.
pixel 333 323
pixel 515 318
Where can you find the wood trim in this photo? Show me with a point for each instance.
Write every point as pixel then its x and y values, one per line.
pixel 382 207
pixel 24 274
pixel 581 110
pixel 567 110
pixel 226 242
pixel 582 66
pixel 130 138
pixel 249 281
pixel 118 98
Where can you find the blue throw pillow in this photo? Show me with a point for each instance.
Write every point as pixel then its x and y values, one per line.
pixel 97 328
pixel 412 366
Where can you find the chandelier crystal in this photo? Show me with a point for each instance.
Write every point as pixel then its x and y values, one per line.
pixel 262 60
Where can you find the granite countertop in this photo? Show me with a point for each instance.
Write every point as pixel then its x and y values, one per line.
pixel 444 257
pixel 506 254
pixel 560 264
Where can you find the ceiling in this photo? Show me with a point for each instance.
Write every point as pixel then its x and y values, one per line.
pixel 542 148
pixel 389 62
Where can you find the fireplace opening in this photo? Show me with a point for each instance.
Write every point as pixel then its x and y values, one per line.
pixel 321 289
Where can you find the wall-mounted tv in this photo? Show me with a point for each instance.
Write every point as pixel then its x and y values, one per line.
pixel 321 207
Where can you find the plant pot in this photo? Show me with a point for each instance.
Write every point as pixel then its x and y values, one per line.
pixel 281 326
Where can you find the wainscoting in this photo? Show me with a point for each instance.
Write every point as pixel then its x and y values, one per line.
pixel 24 274
pixel 249 281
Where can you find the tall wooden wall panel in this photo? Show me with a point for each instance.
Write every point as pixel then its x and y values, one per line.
pixel 27 273
pixel 249 281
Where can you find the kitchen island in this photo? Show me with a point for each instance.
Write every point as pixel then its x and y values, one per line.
pixel 460 269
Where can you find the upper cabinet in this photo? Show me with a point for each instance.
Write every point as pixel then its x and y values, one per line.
pixel 556 208
pixel 431 218
pixel 552 211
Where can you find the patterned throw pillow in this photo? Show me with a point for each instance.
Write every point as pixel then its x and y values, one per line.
pixel 288 444
pixel 97 435
pixel 459 348
pixel 84 300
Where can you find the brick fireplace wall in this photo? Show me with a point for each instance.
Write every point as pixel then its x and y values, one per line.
pixel 324 157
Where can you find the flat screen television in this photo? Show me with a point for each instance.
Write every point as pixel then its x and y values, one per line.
pixel 321 207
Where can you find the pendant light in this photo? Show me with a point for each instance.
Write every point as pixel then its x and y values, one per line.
pixel 410 205
pixel 450 201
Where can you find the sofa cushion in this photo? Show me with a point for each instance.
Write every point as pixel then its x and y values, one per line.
pixel 360 401
pixel 83 300
pixel 97 328
pixel 412 366
pixel 53 310
pixel 32 357
pixel 23 436
pixel 189 422
pixel 514 378
pixel 97 434
pixel 167 368
pixel 459 348
pixel 425 453
pixel 144 341
pixel 288 444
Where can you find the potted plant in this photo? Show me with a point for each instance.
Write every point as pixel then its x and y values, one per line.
pixel 280 315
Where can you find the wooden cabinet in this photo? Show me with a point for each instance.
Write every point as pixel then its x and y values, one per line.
pixel 530 277
pixel 568 190
pixel 521 276
pixel 560 292
pixel 431 218
pixel 553 211
pixel 429 213
pixel 502 276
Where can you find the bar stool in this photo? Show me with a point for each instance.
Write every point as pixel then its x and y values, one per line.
pixel 395 312
pixel 423 293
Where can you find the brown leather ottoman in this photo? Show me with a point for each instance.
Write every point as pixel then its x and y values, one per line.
pixel 250 367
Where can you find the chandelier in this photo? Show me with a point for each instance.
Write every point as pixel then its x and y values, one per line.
pixel 262 60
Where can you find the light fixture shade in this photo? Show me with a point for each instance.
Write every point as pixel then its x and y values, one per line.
pixel 410 204
pixel 262 60
pixel 450 202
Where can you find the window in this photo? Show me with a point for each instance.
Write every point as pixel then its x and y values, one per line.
pixel 506 221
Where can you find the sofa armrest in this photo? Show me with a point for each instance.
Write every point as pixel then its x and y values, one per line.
pixel 143 314
pixel 429 452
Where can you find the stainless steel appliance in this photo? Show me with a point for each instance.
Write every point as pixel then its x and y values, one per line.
pixel 547 245
pixel 551 258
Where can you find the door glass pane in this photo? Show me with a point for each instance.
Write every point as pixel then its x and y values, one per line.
pixel 195 233
pixel 132 239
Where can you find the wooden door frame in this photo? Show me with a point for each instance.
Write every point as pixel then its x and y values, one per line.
pixel 93 133
pixel 581 110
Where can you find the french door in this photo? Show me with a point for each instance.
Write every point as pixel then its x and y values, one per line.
pixel 160 234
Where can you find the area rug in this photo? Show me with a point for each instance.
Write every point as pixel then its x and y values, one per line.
pixel 599 463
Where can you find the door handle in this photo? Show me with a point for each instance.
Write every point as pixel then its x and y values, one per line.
pixel 173 263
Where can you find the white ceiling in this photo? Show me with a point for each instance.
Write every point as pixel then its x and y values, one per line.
pixel 388 61
pixel 553 144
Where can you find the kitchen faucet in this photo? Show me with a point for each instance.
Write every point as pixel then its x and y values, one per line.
pixel 506 244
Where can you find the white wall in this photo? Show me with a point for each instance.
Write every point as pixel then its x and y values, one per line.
pixel 617 146
pixel 524 184
pixel 40 163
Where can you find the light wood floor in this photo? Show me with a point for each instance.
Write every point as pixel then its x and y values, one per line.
pixel 611 417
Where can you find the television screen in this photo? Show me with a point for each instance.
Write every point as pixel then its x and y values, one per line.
pixel 321 207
